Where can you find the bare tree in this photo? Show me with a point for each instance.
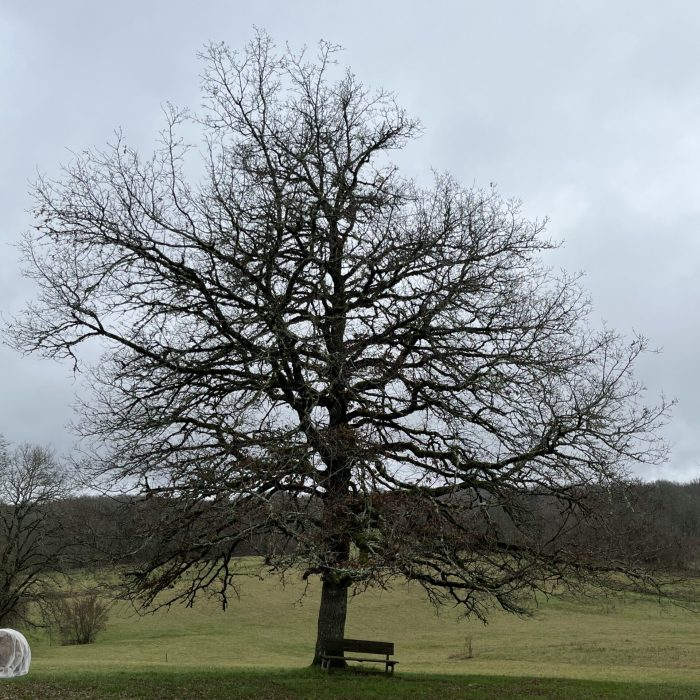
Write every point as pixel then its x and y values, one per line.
pixel 32 540
pixel 305 349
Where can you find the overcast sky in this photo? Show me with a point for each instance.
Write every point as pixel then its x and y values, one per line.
pixel 587 111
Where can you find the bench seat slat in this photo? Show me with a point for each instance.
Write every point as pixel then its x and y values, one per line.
pixel 357 658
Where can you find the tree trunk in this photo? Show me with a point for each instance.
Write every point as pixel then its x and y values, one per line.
pixel 331 617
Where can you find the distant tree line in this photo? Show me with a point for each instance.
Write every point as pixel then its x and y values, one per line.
pixel 655 524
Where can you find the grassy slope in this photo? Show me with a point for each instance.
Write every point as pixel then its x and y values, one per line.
pixel 612 639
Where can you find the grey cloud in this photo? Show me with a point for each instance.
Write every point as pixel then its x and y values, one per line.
pixel 589 112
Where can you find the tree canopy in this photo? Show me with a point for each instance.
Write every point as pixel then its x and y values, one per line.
pixel 380 376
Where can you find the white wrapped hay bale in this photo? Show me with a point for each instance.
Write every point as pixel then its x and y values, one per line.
pixel 15 655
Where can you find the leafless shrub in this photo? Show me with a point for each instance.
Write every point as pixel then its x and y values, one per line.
pixel 80 618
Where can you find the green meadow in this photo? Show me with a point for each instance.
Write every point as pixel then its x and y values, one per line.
pixel 261 646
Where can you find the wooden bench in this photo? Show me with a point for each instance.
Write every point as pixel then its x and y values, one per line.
pixel 335 649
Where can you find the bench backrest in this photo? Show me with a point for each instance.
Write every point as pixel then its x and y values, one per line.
pixel 362 646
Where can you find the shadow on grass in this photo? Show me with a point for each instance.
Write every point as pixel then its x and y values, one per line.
pixel 349 684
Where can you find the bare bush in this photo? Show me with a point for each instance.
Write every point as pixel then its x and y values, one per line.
pixel 80 618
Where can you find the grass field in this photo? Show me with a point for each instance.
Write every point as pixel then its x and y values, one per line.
pixel 307 684
pixel 621 647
